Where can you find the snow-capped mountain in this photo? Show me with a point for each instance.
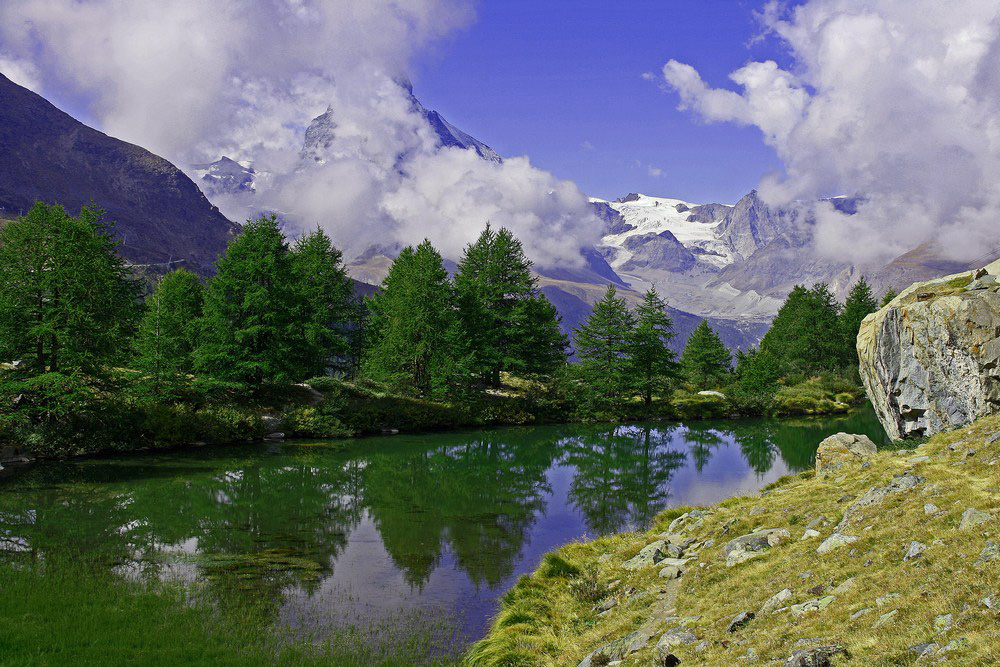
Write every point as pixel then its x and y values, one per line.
pixel 225 176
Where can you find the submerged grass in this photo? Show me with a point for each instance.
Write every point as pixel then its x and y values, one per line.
pixel 75 615
pixel 939 598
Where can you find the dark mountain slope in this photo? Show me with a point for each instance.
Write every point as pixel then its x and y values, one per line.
pixel 160 214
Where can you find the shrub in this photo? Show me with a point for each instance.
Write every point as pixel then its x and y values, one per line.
pixel 554 565
pixel 588 587
pixel 697 406
pixel 314 422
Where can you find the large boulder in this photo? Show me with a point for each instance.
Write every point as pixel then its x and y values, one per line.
pixel 930 359
pixel 842 448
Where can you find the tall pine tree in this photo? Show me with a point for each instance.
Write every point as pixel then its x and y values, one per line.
pixel 859 304
pixel 603 347
pixel 806 335
pixel 168 332
pixel 327 303
pixel 67 301
pixel 415 339
pixel 250 333
pixel 511 327
pixel 651 361
pixel 705 362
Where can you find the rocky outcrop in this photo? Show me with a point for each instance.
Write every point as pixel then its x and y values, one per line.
pixel 842 448
pixel 930 359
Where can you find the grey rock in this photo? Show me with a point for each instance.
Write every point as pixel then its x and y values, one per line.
pixel 757 511
pixel 835 541
pixel 991 601
pixel 776 601
pixel 993 438
pixel 819 656
pixel 932 364
pixel 845 586
pixel 990 553
pixel 670 572
pixel 859 613
pixel 740 621
pixel 931 508
pixel 972 518
pixel 809 534
pixel 886 599
pixel 674 637
pixel 754 544
pixel 886 618
pixel 650 555
pixel 608 604
pixel 809 606
pixel 943 623
pixel 915 551
pixel 877 494
pixel 619 648
pixel 921 650
pixel 918 459
pixel 841 448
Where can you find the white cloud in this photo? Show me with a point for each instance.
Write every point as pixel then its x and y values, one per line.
pixel 193 80
pixel 896 99
pixel 654 171
pixel 22 72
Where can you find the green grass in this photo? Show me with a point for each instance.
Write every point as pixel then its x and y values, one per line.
pixel 75 616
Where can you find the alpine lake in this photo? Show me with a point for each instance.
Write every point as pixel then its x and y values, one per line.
pixel 379 536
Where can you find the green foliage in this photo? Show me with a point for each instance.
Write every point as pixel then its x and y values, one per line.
pixel 249 330
pixel 588 587
pixel 603 346
pixel 756 374
pixel 807 333
pixel 67 302
pixel 510 325
pixel 314 422
pixel 687 405
pixel 889 295
pixel 652 363
pixel 168 332
pixel 553 565
pixel 326 299
pixel 705 362
pixel 859 304
pixel 415 339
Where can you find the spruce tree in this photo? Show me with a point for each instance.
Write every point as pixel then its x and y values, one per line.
pixel 757 374
pixel 250 333
pixel 889 295
pixel 327 302
pixel 168 332
pixel 511 327
pixel 67 301
pixel 859 304
pixel 603 347
pixel 806 335
pixel 705 362
pixel 415 340
pixel 651 361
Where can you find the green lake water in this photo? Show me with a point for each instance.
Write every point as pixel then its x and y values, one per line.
pixel 388 531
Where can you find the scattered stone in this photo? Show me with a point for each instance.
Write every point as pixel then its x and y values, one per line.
pixel 637 596
pixel 835 541
pixel 859 613
pixel 809 606
pixel 876 494
pixel 608 604
pixel 650 555
pixel 886 618
pixel 709 544
pixel 990 553
pixel 702 646
pixel 886 599
pixel 942 623
pixel 757 511
pixel 670 572
pixel 673 551
pixel 819 656
pixel 843 448
pixel 845 586
pixel 619 648
pixel 604 558
pixel 805 575
pixel 991 601
pixel 674 637
pixel 775 601
pixel 809 534
pixel 915 551
pixel 972 518
pixel 921 650
pixel 931 508
pixel 993 438
pixel 740 621
pixel 815 522
pixel 918 459
pixel 750 546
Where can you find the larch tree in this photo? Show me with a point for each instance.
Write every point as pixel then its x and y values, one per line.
pixel 652 363
pixel 603 347
pixel 250 333
pixel 168 332
pixel 67 301
pixel 859 304
pixel 705 362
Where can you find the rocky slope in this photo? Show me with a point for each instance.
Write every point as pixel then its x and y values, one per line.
pixel 930 359
pixel 884 558
pixel 161 216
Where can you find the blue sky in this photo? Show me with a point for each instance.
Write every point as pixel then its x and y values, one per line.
pixel 561 81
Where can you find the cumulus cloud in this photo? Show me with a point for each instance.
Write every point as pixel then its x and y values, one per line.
pixel 194 80
pixel 896 100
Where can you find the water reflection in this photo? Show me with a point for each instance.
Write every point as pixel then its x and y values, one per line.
pixel 444 521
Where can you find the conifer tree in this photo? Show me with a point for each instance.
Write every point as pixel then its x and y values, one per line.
pixel 67 301
pixel 168 332
pixel 806 335
pixel 757 374
pixel 327 302
pixel 859 304
pixel 415 340
pixel 249 329
pixel 651 361
pixel 889 295
pixel 603 347
pixel 511 326
pixel 705 362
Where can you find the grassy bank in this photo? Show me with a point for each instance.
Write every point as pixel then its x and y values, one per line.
pixel 70 615
pixel 882 608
